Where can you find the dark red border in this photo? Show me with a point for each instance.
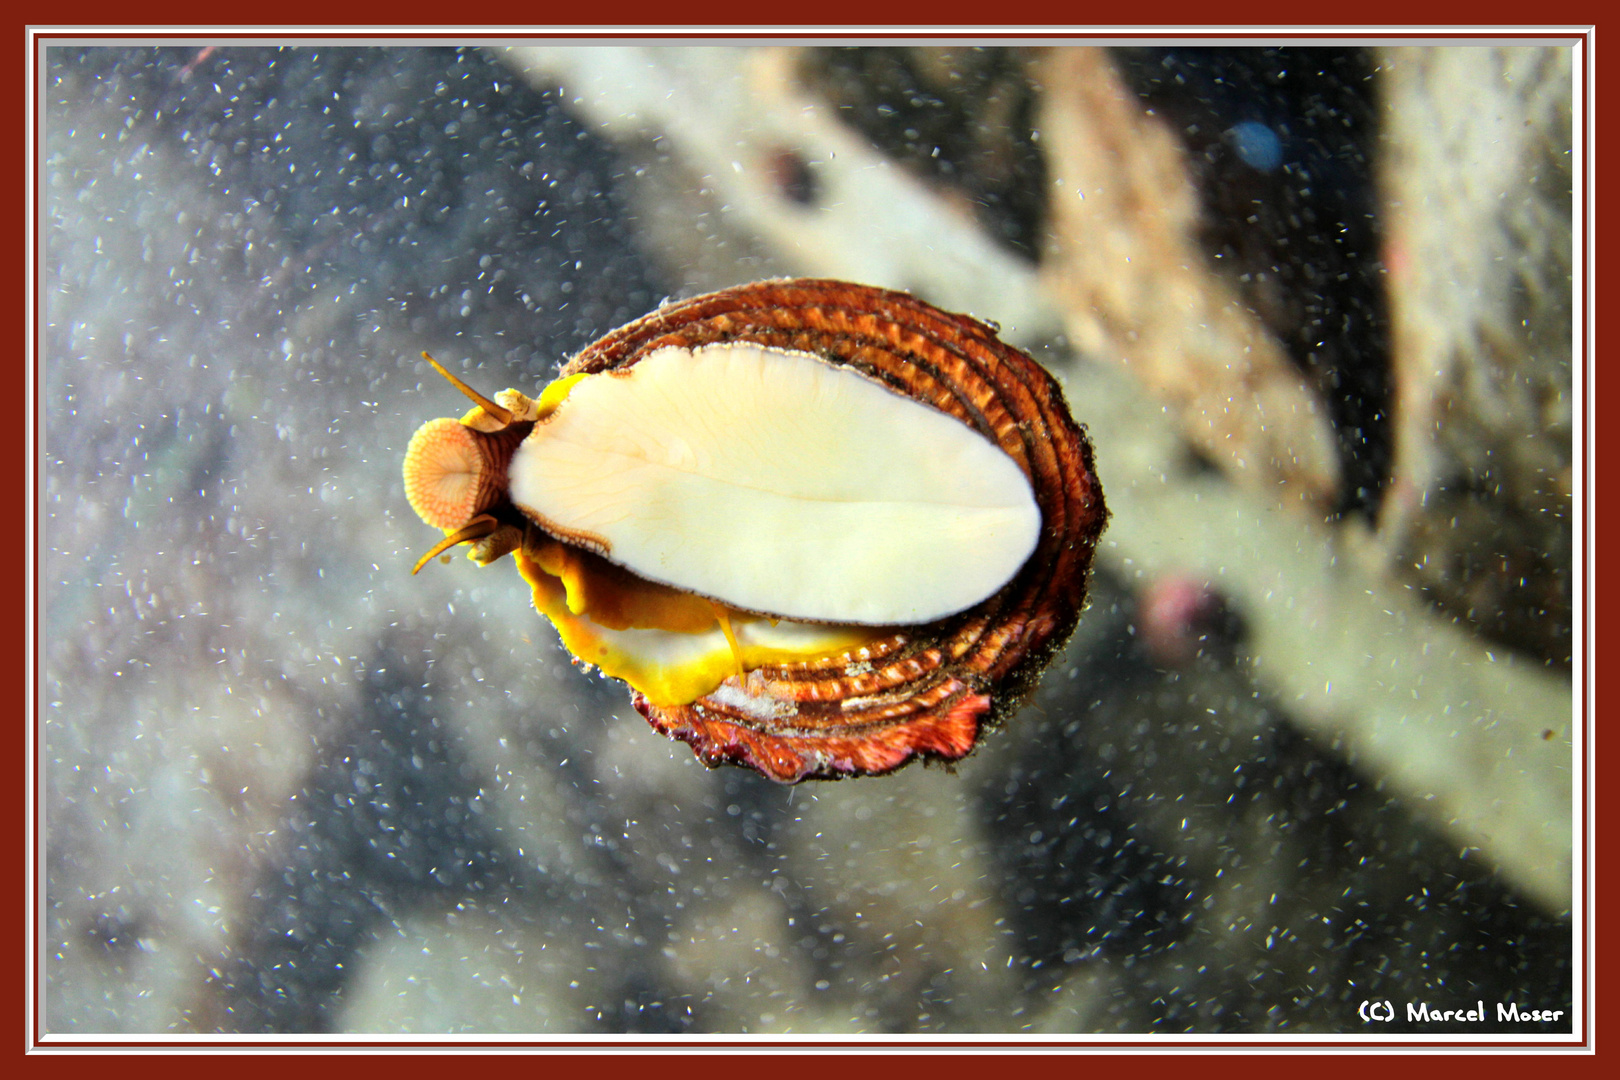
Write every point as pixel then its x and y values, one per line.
pixel 911 19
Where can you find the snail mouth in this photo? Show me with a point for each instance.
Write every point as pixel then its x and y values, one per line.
pixel 454 473
pixel 443 473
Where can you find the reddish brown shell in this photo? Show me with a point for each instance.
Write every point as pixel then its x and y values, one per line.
pixel 925 691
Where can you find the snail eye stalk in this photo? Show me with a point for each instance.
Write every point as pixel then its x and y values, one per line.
pixel 498 412
pixel 476 529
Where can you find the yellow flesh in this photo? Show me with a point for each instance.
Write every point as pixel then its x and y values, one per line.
pixel 671 646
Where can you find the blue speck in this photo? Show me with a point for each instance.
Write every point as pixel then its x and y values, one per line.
pixel 1256 144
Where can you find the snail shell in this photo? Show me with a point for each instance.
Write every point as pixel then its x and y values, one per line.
pixel 834 630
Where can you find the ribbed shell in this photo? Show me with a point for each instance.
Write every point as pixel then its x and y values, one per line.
pixel 927 690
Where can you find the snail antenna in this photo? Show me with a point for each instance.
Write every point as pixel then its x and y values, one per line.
pixel 476 529
pixel 500 413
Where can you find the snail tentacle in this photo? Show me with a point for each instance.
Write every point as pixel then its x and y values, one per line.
pixel 499 412
pixel 476 529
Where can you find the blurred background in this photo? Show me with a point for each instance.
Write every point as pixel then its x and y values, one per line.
pixel 1310 746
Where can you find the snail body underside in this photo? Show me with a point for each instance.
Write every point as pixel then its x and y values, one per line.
pixel 820 529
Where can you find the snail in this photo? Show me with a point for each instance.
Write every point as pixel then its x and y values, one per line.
pixel 820 529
